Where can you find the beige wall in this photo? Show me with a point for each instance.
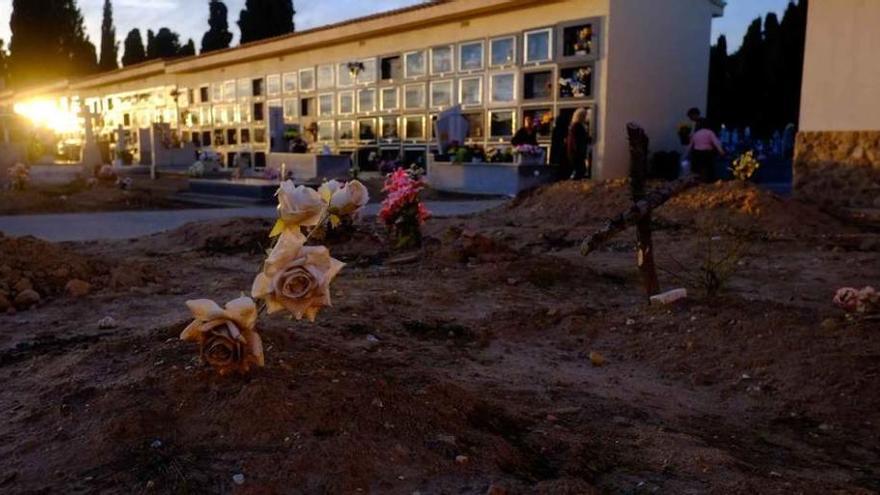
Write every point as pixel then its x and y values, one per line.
pixel 841 89
pixel 658 67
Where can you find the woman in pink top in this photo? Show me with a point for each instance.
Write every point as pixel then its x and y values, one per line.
pixel 703 150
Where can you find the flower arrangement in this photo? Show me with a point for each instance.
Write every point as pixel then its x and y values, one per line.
pixel 19 176
pixel 529 150
pixel 295 277
pixel 500 155
pixel 584 43
pixel 402 211
pixel 745 166
pixel 197 169
pixel 577 85
pixel 855 301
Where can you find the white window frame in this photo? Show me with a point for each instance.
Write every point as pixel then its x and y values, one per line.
pixel 451 84
pixel 276 80
pixel 366 90
pixel 482 84
pixel 314 80
pixel 513 127
pixel 349 93
pixel 425 61
pixel 424 96
pixel 362 80
pixel 513 61
pixel 550 43
pixel 382 121
pixel 382 91
pixel 452 57
pixel 353 130
pixel 332 127
pixel 406 136
pixel 332 98
pixel 290 76
pixel 375 121
pixel 342 70
pixel 461 47
pixel 229 89
pixel 295 102
pixel 331 72
pixel 491 96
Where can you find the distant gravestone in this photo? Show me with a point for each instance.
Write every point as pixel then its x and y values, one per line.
pixel 91 154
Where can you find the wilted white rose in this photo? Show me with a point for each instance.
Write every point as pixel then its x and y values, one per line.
pixel 299 205
pixel 328 188
pixel 349 198
pixel 227 338
pixel 296 277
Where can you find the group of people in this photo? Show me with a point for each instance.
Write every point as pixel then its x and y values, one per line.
pixel 572 143
pixel 571 146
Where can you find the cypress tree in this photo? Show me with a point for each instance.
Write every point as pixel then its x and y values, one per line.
pixel 109 47
pixel 218 36
pixel 37 57
pixel 134 48
pixel 261 19
pixel 152 50
pixel 187 50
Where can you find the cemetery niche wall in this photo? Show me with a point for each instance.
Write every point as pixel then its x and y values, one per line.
pixel 499 60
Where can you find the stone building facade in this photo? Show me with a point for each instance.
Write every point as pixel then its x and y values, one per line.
pixel 837 154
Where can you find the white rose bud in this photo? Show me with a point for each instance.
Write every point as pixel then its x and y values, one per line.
pixel 349 199
pixel 299 205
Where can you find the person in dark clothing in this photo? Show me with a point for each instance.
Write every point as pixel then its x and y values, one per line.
pixel 527 134
pixel 558 151
pixel 578 144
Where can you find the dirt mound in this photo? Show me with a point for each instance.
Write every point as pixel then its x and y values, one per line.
pixel 29 264
pixel 227 236
pixel 743 206
pixel 747 207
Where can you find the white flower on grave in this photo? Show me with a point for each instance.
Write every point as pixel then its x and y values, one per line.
pixel 227 337
pixel 346 199
pixel 299 205
pixel 296 277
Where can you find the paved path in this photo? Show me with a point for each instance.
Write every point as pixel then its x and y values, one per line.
pixel 130 224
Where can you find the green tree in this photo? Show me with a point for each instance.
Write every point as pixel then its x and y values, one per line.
pixel 261 19
pixel 135 52
pixel 218 36
pixel 49 42
pixel 187 50
pixel 166 44
pixel 152 50
pixel 109 47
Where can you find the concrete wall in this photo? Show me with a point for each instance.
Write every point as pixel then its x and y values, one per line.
pixel 658 67
pixel 841 89
pixel 837 154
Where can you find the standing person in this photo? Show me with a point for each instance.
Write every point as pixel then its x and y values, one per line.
pixel 527 134
pixel 558 150
pixel 578 143
pixel 703 150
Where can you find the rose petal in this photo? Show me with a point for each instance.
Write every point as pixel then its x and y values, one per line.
pixel 242 311
pixel 192 332
pixel 262 286
pixel 273 305
pixel 287 248
pixel 205 309
pixel 255 348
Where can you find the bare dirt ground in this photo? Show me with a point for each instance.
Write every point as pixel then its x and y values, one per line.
pixel 465 370
pixel 78 197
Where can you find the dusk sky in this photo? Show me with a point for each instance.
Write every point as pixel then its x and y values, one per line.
pixel 189 17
